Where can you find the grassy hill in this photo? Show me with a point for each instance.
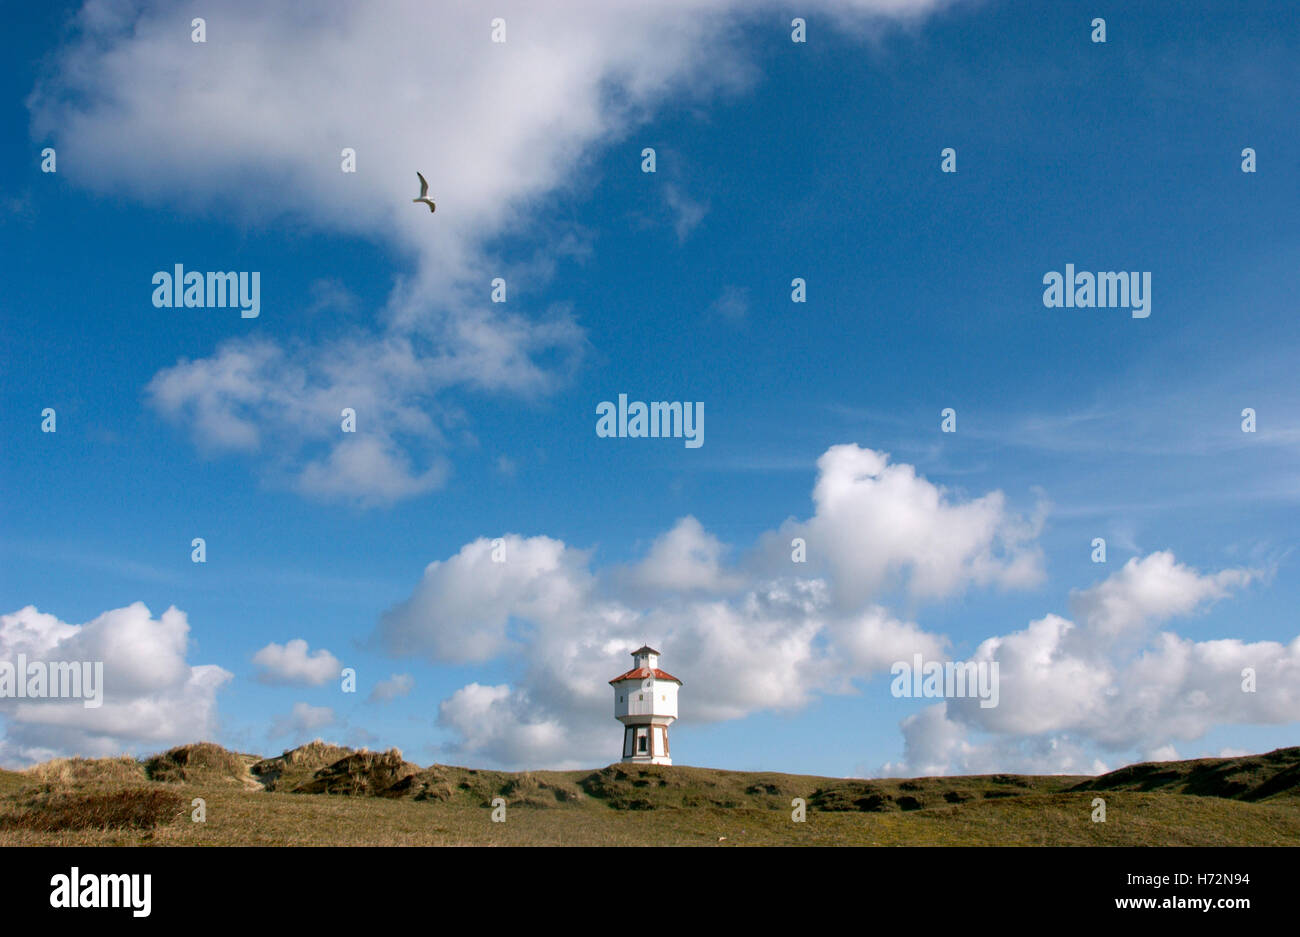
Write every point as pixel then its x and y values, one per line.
pixel 322 794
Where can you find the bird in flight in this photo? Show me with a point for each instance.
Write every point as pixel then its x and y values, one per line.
pixel 424 193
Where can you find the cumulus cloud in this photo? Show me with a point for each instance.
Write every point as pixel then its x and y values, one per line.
pixel 499 129
pixel 1069 687
pixel 497 723
pixel 934 745
pixel 370 469
pixel 878 524
pixel 153 697
pixel 872 640
pixel 290 663
pixel 1148 591
pixel 461 608
pixel 685 558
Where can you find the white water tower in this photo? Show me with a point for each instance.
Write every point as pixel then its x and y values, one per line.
pixel 645 701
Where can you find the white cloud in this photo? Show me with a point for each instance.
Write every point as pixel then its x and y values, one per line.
pixel 1148 591
pixel 399 684
pixel 153 697
pixel 1068 687
pixel 370 469
pixel 250 126
pixel 460 610
pixel 301 721
pixel 499 724
pixel 762 651
pixel 935 745
pixel 873 640
pixel 877 524
pixel 290 663
pixel 685 558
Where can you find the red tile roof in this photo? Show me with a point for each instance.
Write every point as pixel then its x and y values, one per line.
pixel 641 673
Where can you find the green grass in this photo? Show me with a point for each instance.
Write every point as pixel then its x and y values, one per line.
pixel 379 799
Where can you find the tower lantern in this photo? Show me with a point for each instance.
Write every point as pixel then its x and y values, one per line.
pixel 645 701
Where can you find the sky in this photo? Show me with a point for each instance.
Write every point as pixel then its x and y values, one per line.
pixel 475 421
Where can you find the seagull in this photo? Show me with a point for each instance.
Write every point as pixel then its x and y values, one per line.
pixel 424 193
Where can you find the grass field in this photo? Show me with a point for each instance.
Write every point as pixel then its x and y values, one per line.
pixel 326 795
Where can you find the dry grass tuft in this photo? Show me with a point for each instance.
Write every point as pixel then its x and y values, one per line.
pixel 360 773
pixel 83 772
pixel 203 761
pixel 297 765
pixel 57 810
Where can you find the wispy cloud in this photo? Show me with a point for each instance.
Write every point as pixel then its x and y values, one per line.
pixel 732 304
pixel 687 213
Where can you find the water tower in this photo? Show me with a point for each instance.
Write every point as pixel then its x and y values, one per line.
pixel 645 701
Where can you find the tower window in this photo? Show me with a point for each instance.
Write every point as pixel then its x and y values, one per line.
pixel 640 744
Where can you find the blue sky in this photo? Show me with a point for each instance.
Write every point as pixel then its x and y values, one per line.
pixel 775 160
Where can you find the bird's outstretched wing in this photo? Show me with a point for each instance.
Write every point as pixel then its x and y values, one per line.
pixel 424 185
